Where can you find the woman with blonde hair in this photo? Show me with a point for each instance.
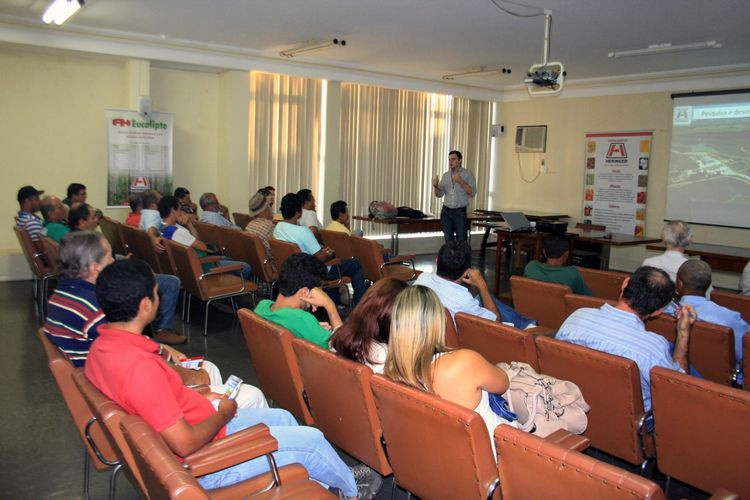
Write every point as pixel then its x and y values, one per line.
pixel 417 356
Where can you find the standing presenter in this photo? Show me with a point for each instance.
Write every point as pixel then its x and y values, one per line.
pixel 457 185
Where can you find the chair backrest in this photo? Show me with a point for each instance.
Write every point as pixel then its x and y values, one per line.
pixel 495 341
pixel 267 271
pixel 112 230
pixel 604 284
pixel 609 384
pixel 282 250
pixel 62 370
pixel 573 302
pixel 247 247
pixel 524 459
pixel 52 252
pixel 746 358
pixel 209 233
pixel 270 347
pixel 437 449
pixel 110 414
pixel 34 258
pixel 163 476
pixel 139 244
pixel 701 431
pixel 451 339
pixel 734 301
pixel 711 349
pixel 241 219
pixel 188 268
pixel 539 300
pixel 590 227
pixel 339 242
pixel 369 255
pixel 340 398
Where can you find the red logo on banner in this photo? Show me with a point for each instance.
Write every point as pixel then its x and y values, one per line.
pixel 139 183
pixel 121 122
pixel 617 150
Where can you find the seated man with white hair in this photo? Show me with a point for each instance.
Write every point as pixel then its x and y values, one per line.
pixel 676 235
pixel 74 315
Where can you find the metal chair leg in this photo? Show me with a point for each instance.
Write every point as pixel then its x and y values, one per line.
pixel 666 486
pixel 86 473
pixel 205 320
pixel 113 481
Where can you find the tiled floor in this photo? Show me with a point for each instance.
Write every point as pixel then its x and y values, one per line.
pixel 41 455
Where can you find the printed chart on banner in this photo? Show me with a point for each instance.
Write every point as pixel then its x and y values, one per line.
pixel 140 154
pixel 616 180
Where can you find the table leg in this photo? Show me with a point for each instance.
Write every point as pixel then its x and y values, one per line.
pixel 498 266
pixel 604 259
pixel 483 248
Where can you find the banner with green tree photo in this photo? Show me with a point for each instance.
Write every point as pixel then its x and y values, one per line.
pixel 140 154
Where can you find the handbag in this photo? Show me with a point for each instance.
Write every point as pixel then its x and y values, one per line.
pixel 548 403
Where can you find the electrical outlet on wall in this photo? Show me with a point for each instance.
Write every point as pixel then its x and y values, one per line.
pixel 543 167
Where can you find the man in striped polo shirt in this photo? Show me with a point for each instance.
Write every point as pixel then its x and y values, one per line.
pixel 28 201
pixel 74 315
pixel 620 329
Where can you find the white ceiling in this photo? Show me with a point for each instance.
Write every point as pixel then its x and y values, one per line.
pixel 429 38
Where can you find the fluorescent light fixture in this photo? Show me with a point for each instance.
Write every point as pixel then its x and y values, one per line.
pixel 312 45
pixel 663 48
pixel 60 10
pixel 480 71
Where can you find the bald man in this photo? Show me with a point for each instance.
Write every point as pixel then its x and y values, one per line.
pixel 55 218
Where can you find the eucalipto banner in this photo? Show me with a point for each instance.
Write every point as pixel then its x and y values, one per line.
pixel 140 153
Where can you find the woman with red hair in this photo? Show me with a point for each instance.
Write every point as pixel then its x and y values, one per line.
pixel 364 335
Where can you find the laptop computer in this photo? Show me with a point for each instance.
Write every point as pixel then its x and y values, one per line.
pixel 517 222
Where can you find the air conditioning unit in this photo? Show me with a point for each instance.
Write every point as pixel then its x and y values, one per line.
pixel 531 139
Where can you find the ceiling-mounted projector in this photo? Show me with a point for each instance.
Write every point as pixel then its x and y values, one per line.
pixel 545 79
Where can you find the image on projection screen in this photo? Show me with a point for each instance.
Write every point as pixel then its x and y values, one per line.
pixel 709 166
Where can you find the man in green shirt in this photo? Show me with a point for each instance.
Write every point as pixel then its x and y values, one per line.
pixel 55 218
pixel 556 249
pixel 299 289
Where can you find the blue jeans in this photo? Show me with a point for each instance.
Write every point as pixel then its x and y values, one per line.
pixel 509 315
pixel 454 222
pixel 300 445
pixel 353 269
pixel 245 267
pixel 169 290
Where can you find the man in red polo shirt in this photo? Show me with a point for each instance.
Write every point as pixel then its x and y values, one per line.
pixel 127 368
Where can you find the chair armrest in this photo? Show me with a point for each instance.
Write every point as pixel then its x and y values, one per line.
pixel 568 440
pixel 723 494
pixel 236 448
pixel 209 259
pixel 333 262
pixel 542 331
pixel 398 259
pixel 223 269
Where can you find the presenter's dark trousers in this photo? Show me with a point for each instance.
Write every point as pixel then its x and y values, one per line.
pixel 455 223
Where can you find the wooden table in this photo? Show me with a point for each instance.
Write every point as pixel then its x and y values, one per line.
pixel 719 257
pixel 533 240
pixel 490 219
pixel 404 225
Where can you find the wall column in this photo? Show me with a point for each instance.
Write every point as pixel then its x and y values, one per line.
pixel 138 74
pixel 233 175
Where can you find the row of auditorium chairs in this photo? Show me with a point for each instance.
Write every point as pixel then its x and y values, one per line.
pixel 712 347
pixel 218 283
pixel 354 408
pixel 116 441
